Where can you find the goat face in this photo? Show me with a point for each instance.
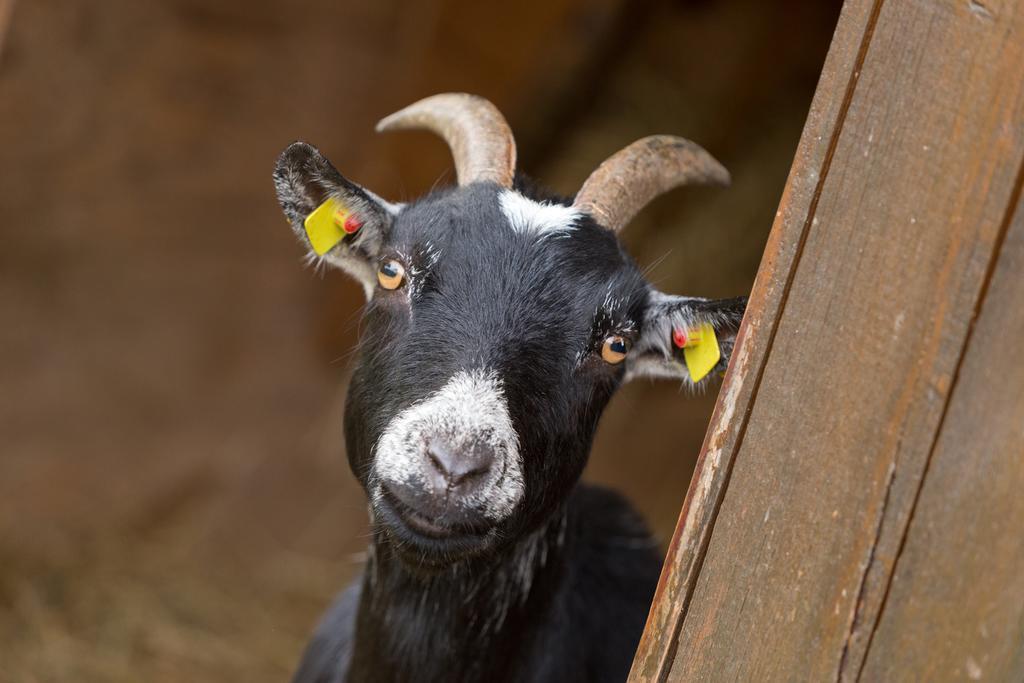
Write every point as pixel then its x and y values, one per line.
pixel 498 326
pixel 481 377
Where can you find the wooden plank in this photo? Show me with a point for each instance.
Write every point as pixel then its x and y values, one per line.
pixel 857 374
pixel 728 422
pixel 955 608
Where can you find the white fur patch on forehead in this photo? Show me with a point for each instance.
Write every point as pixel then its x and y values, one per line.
pixel 543 218
pixel 469 410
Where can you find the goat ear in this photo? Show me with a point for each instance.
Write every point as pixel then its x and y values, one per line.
pixel 656 352
pixel 304 180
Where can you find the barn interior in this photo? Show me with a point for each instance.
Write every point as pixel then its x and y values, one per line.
pixel 175 502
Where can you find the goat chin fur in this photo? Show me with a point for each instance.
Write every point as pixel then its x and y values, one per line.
pixel 560 605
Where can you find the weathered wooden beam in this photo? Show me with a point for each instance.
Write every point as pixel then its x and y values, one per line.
pixel 880 258
pixel 728 423
pixel 955 605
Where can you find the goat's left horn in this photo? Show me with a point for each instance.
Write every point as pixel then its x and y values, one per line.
pixel 478 135
pixel 633 176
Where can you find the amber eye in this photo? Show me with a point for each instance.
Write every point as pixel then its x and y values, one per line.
pixel 614 349
pixel 391 274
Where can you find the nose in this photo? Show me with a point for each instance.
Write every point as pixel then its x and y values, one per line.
pixel 457 470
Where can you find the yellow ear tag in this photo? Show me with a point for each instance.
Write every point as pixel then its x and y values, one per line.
pixel 701 353
pixel 328 225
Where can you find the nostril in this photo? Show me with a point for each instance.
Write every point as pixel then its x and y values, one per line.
pixel 458 467
pixel 470 474
pixel 438 461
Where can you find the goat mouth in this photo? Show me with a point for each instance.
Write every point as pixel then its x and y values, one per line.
pixel 428 537
pixel 413 519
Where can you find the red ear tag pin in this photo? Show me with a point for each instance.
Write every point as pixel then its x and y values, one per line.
pixel 351 225
pixel 347 221
pixel 685 338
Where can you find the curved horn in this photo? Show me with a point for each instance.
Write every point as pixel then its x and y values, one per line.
pixel 479 137
pixel 636 174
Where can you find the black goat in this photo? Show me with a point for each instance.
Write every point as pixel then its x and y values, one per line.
pixel 500 321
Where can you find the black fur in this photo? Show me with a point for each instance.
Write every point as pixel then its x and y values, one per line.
pixel 579 619
pixel 558 590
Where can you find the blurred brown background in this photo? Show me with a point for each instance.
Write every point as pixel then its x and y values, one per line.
pixel 174 500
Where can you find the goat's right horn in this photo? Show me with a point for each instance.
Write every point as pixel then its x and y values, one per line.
pixel 633 176
pixel 478 135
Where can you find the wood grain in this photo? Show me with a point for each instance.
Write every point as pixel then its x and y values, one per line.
pixel 955 608
pixel 689 542
pixel 855 334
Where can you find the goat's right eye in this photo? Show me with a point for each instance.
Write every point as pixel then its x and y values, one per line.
pixel 391 274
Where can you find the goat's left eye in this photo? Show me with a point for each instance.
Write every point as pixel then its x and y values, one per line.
pixel 391 274
pixel 614 349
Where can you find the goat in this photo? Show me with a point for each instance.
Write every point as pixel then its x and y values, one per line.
pixel 500 320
